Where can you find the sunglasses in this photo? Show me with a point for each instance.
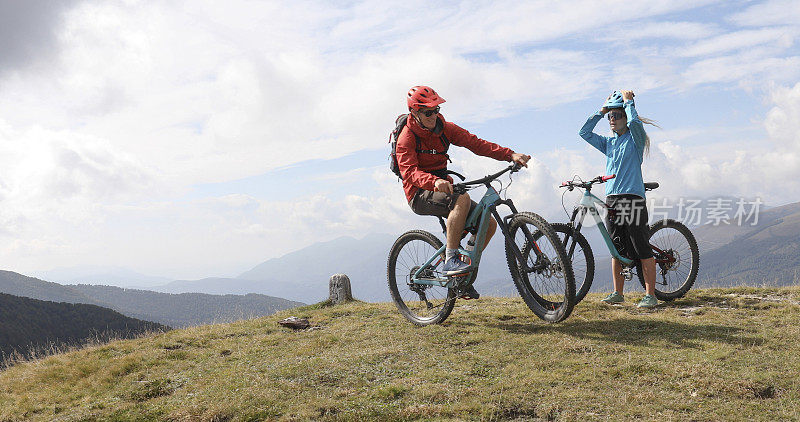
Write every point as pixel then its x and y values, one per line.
pixel 430 112
pixel 616 115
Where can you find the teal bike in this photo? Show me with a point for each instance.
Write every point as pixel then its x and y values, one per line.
pixel 538 262
pixel 673 245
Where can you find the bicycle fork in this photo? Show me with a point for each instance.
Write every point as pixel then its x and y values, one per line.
pixel 542 261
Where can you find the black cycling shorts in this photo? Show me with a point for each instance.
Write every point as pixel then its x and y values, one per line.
pixel 627 225
pixel 426 202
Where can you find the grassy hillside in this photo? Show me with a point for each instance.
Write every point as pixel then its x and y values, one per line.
pixel 716 355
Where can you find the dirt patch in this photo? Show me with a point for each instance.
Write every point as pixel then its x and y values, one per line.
pixel 698 308
pixel 766 298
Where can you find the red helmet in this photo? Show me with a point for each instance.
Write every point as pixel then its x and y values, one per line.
pixel 423 96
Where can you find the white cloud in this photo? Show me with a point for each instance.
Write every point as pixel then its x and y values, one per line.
pixel 44 171
pixel 768 167
pixel 783 120
pixel 665 31
pixel 746 69
pixel 771 12
pixel 776 37
pixel 147 100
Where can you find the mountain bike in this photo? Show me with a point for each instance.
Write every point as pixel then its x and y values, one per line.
pixel 673 244
pixel 535 256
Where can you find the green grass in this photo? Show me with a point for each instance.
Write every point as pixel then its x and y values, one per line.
pixel 717 354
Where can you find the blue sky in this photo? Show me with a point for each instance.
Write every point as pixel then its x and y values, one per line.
pixel 193 139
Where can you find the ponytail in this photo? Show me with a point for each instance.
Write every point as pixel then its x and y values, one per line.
pixel 651 122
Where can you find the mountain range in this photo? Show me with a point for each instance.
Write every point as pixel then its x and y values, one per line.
pixel 102 275
pixel 767 253
pixel 176 310
pixel 730 255
pixel 303 275
pixel 763 250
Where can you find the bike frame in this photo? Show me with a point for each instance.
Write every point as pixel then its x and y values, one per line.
pixel 587 206
pixel 479 217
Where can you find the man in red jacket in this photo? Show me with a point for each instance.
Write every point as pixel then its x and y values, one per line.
pixel 422 161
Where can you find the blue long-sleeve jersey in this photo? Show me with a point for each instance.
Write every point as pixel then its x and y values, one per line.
pixel 624 154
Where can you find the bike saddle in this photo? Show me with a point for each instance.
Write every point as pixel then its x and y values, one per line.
pixel 650 185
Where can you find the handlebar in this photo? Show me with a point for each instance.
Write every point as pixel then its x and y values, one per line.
pixel 459 175
pixel 462 187
pixel 588 184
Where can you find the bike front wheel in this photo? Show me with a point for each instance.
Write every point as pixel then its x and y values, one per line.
pixel 581 257
pixel 677 259
pixel 548 284
pixel 419 303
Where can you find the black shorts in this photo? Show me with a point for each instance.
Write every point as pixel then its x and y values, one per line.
pixel 627 225
pixel 426 202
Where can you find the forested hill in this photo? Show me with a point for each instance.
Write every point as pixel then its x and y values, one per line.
pixel 29 324
pixel 175 310
pixel 20 285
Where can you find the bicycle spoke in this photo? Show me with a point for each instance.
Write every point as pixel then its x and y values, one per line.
pixel 420 303
pixel 678 273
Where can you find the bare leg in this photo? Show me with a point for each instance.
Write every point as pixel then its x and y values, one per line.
pixel 616 273
pixel 489 232
pixel 649 269
pixel 456 220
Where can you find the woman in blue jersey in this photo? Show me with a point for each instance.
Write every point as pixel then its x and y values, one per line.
pixel 627 223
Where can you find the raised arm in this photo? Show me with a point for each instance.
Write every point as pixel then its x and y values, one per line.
pixel 589 136
pixel 634 122
pixel 635 125
pixel 461 137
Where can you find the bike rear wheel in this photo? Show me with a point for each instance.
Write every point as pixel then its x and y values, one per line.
pixel 679 256
pixel 420 304
pixel 548 291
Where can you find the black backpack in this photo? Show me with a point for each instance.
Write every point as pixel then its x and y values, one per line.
pixel 400 123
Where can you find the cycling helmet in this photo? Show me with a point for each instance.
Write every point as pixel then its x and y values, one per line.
pixel 615 101
pixel 423 96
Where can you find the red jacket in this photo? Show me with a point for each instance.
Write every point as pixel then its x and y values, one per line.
pixel 414 166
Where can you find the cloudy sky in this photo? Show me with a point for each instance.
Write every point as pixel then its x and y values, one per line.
pixel 199 138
